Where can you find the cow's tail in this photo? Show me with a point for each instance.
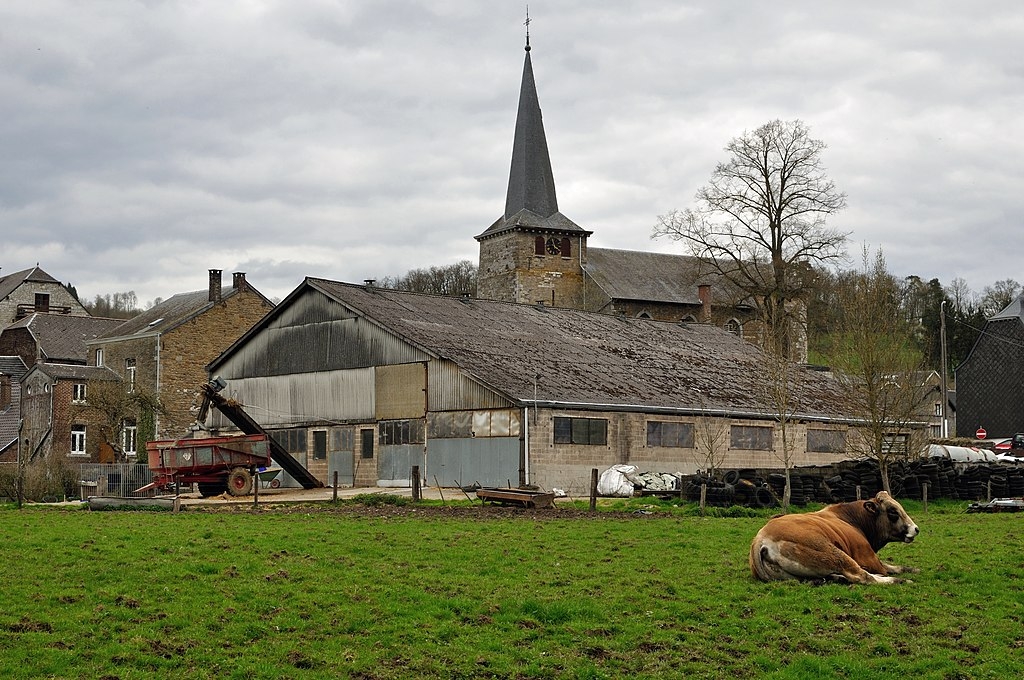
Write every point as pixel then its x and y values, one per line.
pixel 761 565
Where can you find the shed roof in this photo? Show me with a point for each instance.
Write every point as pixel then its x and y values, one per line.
pixel 583 358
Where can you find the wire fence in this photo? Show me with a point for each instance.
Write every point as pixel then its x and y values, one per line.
pixel 118 479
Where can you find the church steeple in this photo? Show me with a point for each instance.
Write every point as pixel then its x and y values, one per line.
pixel 531 184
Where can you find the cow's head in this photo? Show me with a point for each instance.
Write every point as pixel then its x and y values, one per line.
pixel 892 523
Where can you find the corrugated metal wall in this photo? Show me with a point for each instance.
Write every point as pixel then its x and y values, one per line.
pixel 316 334
pixel 304 397
pixel 449 390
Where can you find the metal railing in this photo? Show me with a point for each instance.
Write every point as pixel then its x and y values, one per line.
pixel 117 479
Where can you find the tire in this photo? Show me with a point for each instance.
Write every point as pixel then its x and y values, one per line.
pixel 207 489
pixel 239 482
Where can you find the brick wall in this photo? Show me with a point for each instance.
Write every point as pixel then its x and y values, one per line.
pixel 568 466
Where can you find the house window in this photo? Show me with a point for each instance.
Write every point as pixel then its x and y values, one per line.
pixel 319 444
pixel 129 437
pixel 394 432
pixel 78 440
pixel 750 438
pixel 78 393
pixel 587 431
pixel 673 435
pixel 826 441
pixel 129 373
pixel 99 356
pixel 938 409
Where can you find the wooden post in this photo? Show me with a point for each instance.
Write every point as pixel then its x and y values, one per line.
pixel 703 497
pixel 924 495
pixel 989 494
pixel 593 490
pixel 858 492
pixel 255 488
pixel 415 483
pixel 335 486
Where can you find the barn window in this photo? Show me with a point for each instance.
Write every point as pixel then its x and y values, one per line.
pixel 319 444
pixel 396 432
pixel 587 431
pixel 898 444
pixel 291 440
pixel 750 438
pixel 366 443
pixel 672 435
pixel 826 441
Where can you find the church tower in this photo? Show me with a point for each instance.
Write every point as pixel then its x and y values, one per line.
pixel 533 253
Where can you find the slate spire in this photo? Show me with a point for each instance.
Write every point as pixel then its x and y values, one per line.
pixel 531 184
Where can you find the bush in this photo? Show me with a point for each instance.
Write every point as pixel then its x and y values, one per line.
pixel 377 499
pixel 51 479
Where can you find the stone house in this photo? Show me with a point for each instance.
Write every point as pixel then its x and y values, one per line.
pixel 164 350
pixel 368 382
pixel 33 290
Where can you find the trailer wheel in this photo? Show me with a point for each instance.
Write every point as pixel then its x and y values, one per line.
pixel 239 482
pixel 207 489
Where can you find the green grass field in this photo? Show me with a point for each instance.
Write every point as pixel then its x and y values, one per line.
pixel 324 592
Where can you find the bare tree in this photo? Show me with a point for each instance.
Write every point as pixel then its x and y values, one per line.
pixel 996 297
pixel 710 444
pixel 760 220
pixel 113 405
pixel 881 367
pixel 454 279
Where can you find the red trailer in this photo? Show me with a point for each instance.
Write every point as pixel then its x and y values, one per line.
pixel 215 464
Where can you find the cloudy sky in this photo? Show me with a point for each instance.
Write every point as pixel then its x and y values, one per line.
pixel 145 142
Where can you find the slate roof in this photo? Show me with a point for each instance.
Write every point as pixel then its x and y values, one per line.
pixel 531 202
pixel 171 313
pixel 574 357
pixel 9 283
pixel 62 338
pixel 656 277
pixel 9 417
pixel 13 366
pixel 74 372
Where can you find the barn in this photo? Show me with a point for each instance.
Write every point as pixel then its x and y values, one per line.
pixel 366 382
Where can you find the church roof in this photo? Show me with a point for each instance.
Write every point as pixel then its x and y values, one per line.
pixel 531 202
pixel 669 277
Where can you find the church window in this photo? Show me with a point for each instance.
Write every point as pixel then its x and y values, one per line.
pixel 538 245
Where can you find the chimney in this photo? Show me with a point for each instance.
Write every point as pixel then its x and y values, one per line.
pixel 215 285
pixel 238 281
pixel 704 295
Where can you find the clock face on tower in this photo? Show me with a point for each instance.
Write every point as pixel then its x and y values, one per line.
pixel 553 246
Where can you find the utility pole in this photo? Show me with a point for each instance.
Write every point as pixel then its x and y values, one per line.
pixel 942 352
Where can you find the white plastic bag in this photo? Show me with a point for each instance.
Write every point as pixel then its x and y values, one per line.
pixel 616 481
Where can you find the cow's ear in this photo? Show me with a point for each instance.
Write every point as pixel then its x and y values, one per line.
pixel 871 507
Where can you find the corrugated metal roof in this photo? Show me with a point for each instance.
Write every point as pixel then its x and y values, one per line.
pixel 578 357
pixel 62 337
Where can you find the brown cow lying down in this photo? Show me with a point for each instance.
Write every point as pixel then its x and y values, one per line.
pixel 838 542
